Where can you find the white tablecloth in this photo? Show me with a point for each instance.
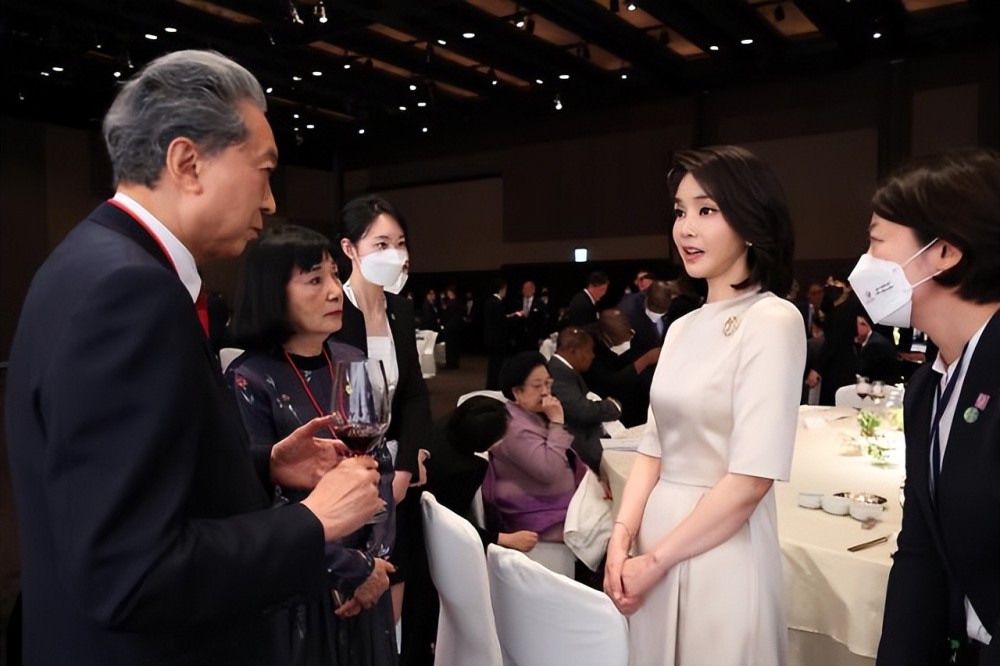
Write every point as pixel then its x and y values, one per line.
pixel 830 591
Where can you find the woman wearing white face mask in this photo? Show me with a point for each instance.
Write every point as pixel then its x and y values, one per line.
pixel 934 263
pixel 381 323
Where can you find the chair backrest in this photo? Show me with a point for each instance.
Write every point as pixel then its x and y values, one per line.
pixel 544 618
pixel 847 396
pixel 466 630
pixel 490 394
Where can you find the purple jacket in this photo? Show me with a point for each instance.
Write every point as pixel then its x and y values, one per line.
pixel 532 475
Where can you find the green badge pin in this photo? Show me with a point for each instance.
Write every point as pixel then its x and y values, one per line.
pixel 971 415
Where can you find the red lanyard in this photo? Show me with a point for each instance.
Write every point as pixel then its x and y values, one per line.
pixel 305 384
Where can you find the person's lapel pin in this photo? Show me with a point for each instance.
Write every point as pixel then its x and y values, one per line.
pixel 971 415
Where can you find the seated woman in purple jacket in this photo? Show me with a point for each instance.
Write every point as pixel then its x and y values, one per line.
pixel 533 473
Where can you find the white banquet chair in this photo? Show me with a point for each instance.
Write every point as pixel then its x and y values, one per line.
pixel 498 395
pixel 847 396
pixel 425 352
pixel 466 631
pixel 547 619
pixel 227 355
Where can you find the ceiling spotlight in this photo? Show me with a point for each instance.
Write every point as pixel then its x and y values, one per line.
pixel 20 97
pixel 779 13
pixel 270 38
pixel 493 77
pixel 293 13
pixel 564 77
pixel 713 47
pixel 746 42
pixel 116 74
pixel 539 82
pixel 558 103
pixel 442 42
pixel 347 65
pixel 296 78
pixel 624 76
pixel 424 130
pixel 631 7
pixel 402 108
pixel 519 20
pixel 44 73
pixel 128 60
pixel 270 89
pixel 468 35
pixel 317 73
pixel 295 115
pixel 56 68
pixel 421 104
pixel 169 29
pixel 613 6
pixel 413 87
pixel 310 126
pixel 151 36
pixel 321 12
pixel 361 130
pixel 876 35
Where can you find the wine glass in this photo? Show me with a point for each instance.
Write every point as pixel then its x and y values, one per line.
pixel 863 387
pixel 878 391
pixel 360 409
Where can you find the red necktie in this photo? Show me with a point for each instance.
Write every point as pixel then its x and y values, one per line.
pixel 201 307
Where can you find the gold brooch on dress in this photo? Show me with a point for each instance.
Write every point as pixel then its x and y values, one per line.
pixel 730 326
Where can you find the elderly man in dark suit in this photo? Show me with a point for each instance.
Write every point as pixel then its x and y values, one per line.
pixel 147 532
pixel 574 355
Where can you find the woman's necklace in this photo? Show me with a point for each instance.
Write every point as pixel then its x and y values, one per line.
pixel 305 384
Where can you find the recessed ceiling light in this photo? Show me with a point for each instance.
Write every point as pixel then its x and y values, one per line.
pixel 424 130
pixel 539 82
pixel 296 78
pixel 295 115
pixel 421 104
pixel 116 74
pixel 746 42
pixel 413 86
pixel 468 35
pixel 310 126
pixel 269 90
pixel 713 47
pixel 631 7
pixel 45 73
pixel 317 73
pixel 402 108
pixel 876 35
pixel 296 129
pixel 442 42
pixel 169 29
pixel 151 36
pixel 564 77
pixel 347 65
pixel 57 69
pixel 624 76
pixel 361 131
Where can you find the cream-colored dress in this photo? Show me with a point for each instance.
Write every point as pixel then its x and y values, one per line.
pixel 724 399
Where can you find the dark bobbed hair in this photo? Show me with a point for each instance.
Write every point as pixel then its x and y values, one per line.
pixel 515 370
pixel 955 197
pixel 752 200
pixel 477 424
pixel 260 316
pixel 573 337
pixel 359 213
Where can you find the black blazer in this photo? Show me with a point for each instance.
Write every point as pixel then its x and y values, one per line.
pixel 646 336
pixel 146 532
pixel 496 337
pixel 949 549
pixel 580 311
pixel 411 406
pixel 583 416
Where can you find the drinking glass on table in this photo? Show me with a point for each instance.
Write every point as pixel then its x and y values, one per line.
pixel 863 387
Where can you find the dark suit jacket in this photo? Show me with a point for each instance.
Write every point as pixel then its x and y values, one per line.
pixel 411 406
pixel 838 362
pixel 146 532
pixel 646 336
pixel 877 360
pixel 529 331
pixel 583 417
pixel 615 377
pixel 495 334
pixel 949 549
pixel 581 310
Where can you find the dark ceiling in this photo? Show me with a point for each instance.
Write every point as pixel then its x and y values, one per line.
pixel 377 72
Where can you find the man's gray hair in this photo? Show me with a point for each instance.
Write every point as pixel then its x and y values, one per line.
pixel 191 94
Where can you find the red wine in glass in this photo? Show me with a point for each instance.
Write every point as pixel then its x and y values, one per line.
pixel 361 438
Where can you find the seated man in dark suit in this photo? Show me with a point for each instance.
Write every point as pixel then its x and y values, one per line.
pixel 582 309
pixel 617 371
pixel 876 354
pixel 574 354
pixel 648 316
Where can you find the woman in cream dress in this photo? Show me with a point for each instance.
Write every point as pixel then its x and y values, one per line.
pixel 705 584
